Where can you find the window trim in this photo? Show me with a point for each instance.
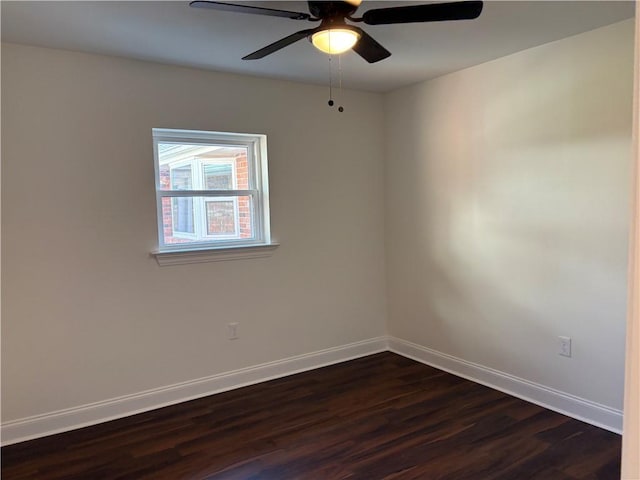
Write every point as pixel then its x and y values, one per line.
pixel 259 191
pixel 182 257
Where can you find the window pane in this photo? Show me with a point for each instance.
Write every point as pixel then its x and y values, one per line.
pixel 218 176
pixel 181 178
pixel 205 219
pixel 203 167
pixel 246 217
pixel 183 215
pixel 221 217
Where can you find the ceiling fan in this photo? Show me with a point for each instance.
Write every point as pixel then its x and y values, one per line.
pixel 334 35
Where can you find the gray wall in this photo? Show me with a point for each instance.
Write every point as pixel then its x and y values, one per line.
pixel 507 212
pixel 88 315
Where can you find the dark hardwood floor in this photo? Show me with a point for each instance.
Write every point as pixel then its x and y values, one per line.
pixel 378 417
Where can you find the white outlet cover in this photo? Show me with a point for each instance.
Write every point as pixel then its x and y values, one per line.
pixel 564 346
pixel 232 331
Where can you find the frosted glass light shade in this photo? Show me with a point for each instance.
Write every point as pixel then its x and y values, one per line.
pixel 335 40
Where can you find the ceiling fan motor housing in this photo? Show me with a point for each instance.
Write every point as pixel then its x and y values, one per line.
pixel 331 10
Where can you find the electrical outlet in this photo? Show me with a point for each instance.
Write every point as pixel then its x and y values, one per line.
pixel 232 331
pixel 564 346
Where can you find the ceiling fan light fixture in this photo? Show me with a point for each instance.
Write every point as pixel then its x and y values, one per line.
pixel 335 40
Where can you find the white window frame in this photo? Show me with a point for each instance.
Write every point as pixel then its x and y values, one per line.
pixel 177 233
pixel 202 201
pixel 200 230
pixel 230 246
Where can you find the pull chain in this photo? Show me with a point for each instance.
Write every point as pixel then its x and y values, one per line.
pixel 340 108
pixel 330 102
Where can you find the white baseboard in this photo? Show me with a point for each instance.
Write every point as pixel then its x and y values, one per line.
pixel 561 402
pixel 85 415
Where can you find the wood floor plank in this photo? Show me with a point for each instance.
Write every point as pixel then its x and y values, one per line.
pixel 379 417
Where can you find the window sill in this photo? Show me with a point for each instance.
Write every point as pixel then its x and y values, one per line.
pixel 182 257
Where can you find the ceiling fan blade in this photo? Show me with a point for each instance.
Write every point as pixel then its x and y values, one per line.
pixel 434 12
pixel 275 46
pixel 369 49
pixel 232 7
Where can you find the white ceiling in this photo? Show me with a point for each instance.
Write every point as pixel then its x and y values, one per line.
pixel 171 32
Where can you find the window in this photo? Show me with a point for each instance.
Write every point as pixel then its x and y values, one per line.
pixel 203 218
pixel 211 190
